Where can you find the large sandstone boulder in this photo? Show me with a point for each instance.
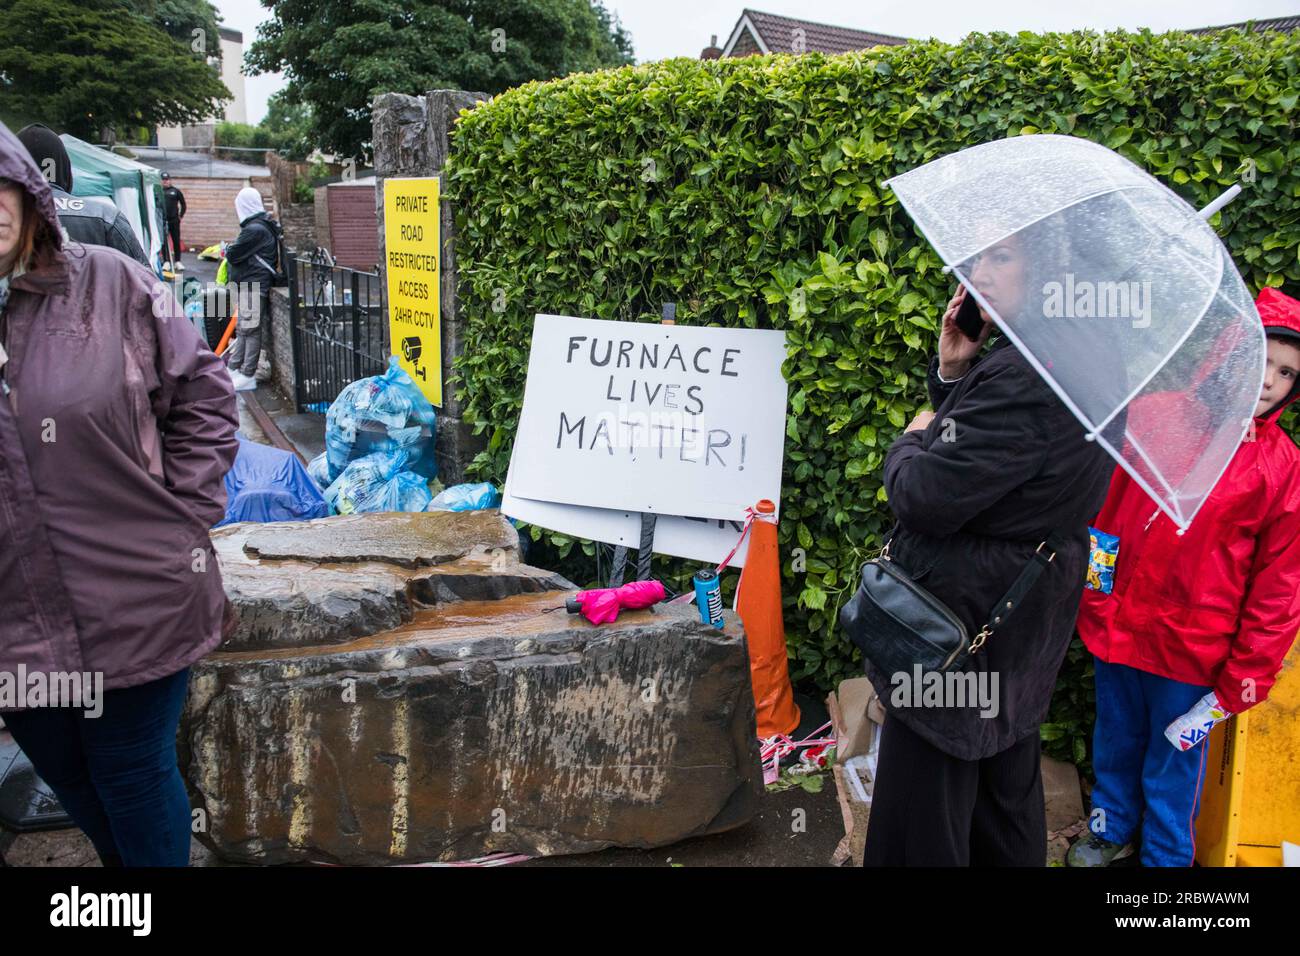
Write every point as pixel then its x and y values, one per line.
pixel 304 583
pixel 402 688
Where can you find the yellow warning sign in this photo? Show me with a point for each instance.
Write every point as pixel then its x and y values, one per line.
pixel 411 252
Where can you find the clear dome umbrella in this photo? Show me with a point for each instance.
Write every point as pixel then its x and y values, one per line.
pixel 1116 291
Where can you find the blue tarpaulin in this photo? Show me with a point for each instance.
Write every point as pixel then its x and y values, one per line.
pixel 268 484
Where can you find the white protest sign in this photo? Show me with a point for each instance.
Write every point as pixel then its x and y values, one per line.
pixel 700 539
pixel 634 416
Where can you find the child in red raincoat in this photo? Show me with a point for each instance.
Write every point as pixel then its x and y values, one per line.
pixel 1197 625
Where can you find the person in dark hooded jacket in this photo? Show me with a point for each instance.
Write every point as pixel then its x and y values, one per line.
pixel 117 427
pixel 252 259
pixel 90 220
pixel 977 486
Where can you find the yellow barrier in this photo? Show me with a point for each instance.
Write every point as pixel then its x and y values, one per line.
pixel 1250 801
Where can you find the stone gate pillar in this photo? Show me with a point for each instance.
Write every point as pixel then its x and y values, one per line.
pixel 411 139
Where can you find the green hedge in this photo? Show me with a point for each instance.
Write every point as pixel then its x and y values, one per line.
pixel 749 192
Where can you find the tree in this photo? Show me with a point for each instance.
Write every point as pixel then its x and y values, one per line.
pixel 284 128
pixel 290 124
pixel 339 56
pixel 179 19
pixel 89 65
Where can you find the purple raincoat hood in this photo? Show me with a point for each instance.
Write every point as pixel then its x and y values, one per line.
pixel 16 164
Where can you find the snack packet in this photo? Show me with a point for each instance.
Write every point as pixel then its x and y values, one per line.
pixel 1104 549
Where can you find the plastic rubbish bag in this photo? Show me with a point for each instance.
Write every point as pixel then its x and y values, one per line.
pixel 383 414
pixel 378 482
pixel 269 484
pixel 194 312
pixel 467 498
pixel 193 305
pixel 319 470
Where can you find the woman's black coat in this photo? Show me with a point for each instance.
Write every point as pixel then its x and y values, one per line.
pixel 1002 466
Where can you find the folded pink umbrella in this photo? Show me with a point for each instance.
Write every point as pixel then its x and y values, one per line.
pixel 602 605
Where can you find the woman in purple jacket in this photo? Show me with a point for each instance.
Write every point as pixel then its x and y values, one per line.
pixel 117 426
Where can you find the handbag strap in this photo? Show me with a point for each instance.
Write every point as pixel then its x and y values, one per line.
pixel 1043 555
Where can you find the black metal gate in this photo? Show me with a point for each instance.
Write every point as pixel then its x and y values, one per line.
pixel 339 332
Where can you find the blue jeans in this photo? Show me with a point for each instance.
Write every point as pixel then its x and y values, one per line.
pixel 1142 780
pixel 116 774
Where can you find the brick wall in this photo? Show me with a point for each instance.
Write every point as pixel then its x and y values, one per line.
pixel 283 174
pixel 322 204
pixel 210 208
pixel 280 344
pixel 299 226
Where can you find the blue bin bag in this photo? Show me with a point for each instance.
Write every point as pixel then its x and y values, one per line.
pixel 268 484
pixel 319 470
pixel 194 312
pixel 383 414
pixel 467 498
pixel 378 482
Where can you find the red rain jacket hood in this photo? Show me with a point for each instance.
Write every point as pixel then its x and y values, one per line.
pixel 1281 313
pixel 1219 605
pixel 115 438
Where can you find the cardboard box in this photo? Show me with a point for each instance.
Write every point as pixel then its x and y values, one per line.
pixel 854 711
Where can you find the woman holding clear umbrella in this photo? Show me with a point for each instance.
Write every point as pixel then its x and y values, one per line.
pixel 1113 290
pixel 1000 467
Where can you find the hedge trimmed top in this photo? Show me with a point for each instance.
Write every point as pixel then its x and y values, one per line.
pixel 748 191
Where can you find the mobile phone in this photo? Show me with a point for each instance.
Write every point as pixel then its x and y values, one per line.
pixel 968 319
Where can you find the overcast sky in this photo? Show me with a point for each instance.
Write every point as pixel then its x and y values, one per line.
pixel 667 28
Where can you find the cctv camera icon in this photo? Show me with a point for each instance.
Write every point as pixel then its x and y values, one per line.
pixel 411 349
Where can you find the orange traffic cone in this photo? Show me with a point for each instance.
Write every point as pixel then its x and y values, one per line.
pixel 758 601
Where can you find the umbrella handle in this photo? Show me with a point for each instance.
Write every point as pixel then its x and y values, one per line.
pixel 1228 196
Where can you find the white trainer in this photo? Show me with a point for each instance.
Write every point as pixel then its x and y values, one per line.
pixel 243 383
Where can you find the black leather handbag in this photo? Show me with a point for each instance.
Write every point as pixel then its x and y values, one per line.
pixel 897 624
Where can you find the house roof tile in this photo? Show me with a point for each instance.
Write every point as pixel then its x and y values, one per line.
pixel 778 35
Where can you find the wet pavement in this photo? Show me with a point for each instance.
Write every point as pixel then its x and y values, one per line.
pixel 248 424
pixel 792 828
pixel 205 270
pixel 304 430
